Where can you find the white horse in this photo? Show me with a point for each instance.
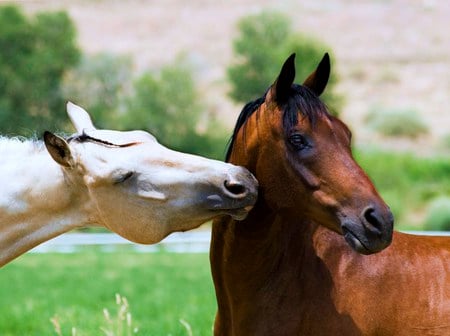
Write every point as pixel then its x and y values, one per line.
pixel 124 181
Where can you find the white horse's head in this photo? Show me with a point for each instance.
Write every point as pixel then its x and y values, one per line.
pixel 143 190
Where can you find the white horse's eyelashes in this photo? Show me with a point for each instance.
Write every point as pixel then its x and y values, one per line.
pixel 122 176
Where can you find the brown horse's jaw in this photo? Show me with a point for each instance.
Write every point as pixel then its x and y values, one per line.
pixel 364 242
pixel 355 243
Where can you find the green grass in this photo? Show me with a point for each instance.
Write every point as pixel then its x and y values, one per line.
pixel 161 288
pixel 406 182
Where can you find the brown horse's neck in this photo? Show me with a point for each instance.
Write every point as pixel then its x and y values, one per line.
pixel 265 268
pixel 265 240
pixel 254 260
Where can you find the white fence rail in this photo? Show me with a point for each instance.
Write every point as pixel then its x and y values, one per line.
pixel 185 242
pixel 181 242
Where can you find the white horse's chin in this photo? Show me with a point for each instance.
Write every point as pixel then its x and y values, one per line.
pixel 237 214
pixel 241 214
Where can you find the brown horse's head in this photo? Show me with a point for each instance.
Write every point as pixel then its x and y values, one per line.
pixel 302 158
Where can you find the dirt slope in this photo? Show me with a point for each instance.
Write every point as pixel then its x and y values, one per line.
pixel 390 53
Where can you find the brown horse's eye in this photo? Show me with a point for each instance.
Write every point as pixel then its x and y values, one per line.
pixel 298 141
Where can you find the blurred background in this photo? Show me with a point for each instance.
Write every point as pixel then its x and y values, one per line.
pixel 183 70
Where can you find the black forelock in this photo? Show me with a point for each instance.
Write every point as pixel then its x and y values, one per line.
pixel 301 100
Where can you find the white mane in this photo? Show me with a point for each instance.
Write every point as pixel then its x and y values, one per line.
pixel 21 166
pixel 19 146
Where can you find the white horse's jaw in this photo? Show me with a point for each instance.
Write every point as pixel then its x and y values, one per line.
pixel 165 190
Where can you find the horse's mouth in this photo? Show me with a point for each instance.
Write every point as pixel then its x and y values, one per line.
pixel 354 242
pixel 238 209
pixel 235 213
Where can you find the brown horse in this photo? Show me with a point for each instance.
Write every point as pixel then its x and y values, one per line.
pixel 286 269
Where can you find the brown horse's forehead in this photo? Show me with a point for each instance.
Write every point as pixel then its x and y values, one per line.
pixel 322 123
pixel 342 126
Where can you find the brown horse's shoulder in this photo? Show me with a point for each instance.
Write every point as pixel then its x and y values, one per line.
pixel 410 273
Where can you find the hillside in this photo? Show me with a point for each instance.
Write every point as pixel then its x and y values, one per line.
pixel 390 53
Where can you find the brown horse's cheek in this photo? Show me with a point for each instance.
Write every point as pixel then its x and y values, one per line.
pixel 308 178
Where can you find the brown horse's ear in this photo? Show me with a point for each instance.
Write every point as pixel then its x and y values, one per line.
pixel 281 89
pixel 58 148
pixel 318 80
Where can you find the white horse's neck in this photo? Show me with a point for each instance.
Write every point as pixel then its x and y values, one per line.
pixel 36 201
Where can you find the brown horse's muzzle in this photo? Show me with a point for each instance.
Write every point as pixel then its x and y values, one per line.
pixel 371 232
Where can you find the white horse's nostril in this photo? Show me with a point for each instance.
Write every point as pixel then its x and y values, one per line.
pixel 235 189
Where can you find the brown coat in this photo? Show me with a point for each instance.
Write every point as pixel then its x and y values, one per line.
pixel 287 270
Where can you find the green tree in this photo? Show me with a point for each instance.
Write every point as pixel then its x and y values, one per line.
pixel 99 83
pixel 265 41
pixel 167 105
pixel 34 54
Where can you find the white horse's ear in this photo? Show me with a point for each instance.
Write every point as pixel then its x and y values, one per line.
pixel 59 149
pixel 79 117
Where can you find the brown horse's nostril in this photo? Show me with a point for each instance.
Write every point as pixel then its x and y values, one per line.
pixel 235 188
pixel 374 223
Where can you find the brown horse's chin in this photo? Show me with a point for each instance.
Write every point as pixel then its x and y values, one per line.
pixel 355 243
pixel 363 244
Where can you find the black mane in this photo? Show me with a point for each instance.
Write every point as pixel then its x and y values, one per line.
pixel 301 100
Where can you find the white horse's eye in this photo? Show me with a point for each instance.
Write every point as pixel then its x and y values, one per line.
pixel 120 178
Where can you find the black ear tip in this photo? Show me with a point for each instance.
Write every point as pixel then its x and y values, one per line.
pixel 47 134
pixel 326 59
pixel 290 61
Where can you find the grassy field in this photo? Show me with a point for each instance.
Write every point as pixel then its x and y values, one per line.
pixel 164 288
pixel 161 289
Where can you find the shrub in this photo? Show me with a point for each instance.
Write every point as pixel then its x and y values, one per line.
pixel 167 105
pixel 34 54
pixel 438 214
pixel 396 122
pixel 445 142
pixel 404 180
pixel 265 41
pixel 99 83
